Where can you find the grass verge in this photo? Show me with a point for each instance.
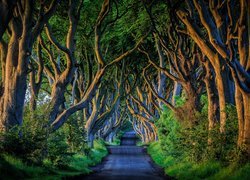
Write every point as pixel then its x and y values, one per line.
pixel 184 169
pixel 14 168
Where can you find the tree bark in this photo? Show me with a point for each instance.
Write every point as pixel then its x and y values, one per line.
pixel 240 115
pixel 23 36
pixel 213 105
pixel 246 131
pixel 12 100
pixel 219 66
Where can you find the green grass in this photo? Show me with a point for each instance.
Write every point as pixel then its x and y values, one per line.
pixel 233 172
pixel 242 173
pixel 14 168
pixel 97 153
pixel 140 143
pixel 184 169
pixel 116 142
pixel 189 170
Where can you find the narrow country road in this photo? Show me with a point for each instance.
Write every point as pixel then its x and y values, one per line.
pixel 126 162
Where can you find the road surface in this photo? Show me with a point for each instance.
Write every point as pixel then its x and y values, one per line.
pixel 126 162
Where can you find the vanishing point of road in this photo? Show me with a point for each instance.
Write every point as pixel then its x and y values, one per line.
pixel 126 162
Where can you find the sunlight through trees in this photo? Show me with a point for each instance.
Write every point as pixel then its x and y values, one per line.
pixel 176 72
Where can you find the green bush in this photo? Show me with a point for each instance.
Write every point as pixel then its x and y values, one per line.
pixel 184 152
pixel 31 151
pixel 169 132
pixel 58 149
pixel 12 167
pixel 75 133
pixel 28 141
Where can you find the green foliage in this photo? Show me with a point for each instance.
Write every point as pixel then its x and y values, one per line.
pixel 132 25
pixel 241 173
pixel 209 169
pixel 159 156
pixel 169 133
pixel 76 136
pixel 58 149
pixel 12 167
pixel 185 153
pixel 179 101
pixel 28 141
pixel 98 152
pixel 117 139
pixel 30 151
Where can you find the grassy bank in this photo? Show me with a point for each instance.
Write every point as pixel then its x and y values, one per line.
pixel 184 152
pixel 14 168
pixel 184 169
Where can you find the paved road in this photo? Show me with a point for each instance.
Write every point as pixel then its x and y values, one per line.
pixel 126 162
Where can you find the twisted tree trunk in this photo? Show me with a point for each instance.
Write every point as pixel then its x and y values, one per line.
pixel 23 36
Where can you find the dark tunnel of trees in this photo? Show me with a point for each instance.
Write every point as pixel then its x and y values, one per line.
pixel 76 74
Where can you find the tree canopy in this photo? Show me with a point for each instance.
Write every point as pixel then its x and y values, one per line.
pixel 97 67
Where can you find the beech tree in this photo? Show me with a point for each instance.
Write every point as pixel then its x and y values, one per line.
pixel 185 66
pixel 113 62
pixel 227 50
pixel 24 25
pixel 104 106
pixel 57 121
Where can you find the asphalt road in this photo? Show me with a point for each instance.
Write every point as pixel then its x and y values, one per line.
pixel 126 162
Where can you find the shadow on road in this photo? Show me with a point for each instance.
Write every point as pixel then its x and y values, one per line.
pixel 126 162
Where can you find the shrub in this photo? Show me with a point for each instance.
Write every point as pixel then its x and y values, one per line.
pixel 63 151
pixel 184 151
pixel 28 141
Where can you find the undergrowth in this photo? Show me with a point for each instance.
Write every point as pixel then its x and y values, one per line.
pixel 30 151
pixel 184 153
pixel 12 167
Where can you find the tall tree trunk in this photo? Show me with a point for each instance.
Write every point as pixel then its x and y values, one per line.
pixel 240 115
pixel 23 34
pixel 221 85
pixel 15 85
pixel 6 14
pixel 220 67
pixel 192 104
pixel 212 97
pixel 57 100
pixel 246 133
